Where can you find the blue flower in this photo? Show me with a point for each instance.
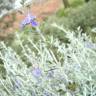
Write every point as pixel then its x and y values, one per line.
pixel 50 74
pixel 37 72
pixel 29 19
pixel 34 23
pixel 17 84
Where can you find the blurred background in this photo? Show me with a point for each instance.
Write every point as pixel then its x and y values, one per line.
pixel 78 12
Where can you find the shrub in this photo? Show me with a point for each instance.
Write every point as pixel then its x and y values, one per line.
pixel 75 3
pixel 64 70
pixel 71 18
pixel 84 16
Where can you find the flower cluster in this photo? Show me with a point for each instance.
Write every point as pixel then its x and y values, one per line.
pixel 29 19
pixel 37 72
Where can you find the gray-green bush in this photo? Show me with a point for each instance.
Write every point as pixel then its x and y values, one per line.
pixel 71 18
pixel 70 70
pixel 84 16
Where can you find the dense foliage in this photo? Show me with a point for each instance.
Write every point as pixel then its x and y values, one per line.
pixel 84 17
pixel 48 59
pixel 76 62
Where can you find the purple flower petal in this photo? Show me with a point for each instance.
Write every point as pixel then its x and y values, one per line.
pixel 34 23
pixel 37 72
pixel 29 19
pixel 24 23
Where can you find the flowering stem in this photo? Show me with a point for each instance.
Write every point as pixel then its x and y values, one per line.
pixel 38 30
